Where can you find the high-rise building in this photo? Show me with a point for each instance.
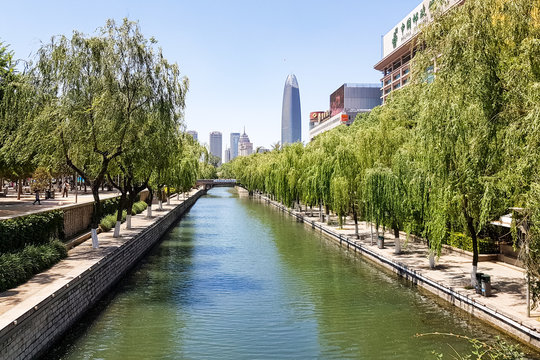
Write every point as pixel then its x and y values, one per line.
pixel 215 144
pixel 234 144
pixel 194 134
pixel 345 103
pixel 227 155
pixel 291 122
pixel 399 47
pixel 245 147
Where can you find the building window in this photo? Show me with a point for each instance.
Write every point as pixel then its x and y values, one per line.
pixel 397 86
pixel 387 91
pixel 397 76
pixel 406 71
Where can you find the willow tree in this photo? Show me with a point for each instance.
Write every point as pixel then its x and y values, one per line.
pixel 97 91
pixel 520 76
pixel 17 108
pixel 460 126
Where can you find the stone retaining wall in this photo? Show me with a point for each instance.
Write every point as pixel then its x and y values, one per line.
pixel 36 330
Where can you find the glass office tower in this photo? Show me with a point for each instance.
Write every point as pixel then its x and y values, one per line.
pixel 291 122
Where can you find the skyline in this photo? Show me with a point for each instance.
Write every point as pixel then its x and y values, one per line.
pixel 236 59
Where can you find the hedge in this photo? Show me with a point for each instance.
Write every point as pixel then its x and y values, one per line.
pixel 109 221
pixel 17 268
pixel 138 207
pixel 110 206
pixel 34 229
pixel 464 242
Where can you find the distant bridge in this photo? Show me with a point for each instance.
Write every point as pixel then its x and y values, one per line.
pixel 210 183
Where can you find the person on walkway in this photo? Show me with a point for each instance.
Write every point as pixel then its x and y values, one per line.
pixel 65 189
pixel 37 198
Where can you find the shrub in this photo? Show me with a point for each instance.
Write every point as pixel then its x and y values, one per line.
pixel 35 229
pixel 109 221
pixel 139 207
pixel 110 206
pixel 464 242
pixel 17 268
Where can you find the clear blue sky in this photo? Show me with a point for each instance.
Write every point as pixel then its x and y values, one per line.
pixel 236 54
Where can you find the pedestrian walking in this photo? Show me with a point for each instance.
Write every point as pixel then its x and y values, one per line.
pixel 65 189
pixel 37 198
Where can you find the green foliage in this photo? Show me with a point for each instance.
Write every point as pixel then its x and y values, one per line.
pixel 109 221
pixel 35 229
pixel 16 268
pixel 138 207
pixel 110 206
pixel 464 242
pixel 493 350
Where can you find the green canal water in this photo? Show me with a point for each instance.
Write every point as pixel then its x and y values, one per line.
pixel 239 280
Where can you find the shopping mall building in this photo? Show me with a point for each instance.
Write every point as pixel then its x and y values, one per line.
pixel 399 47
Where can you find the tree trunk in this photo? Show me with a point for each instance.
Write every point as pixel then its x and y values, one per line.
pixel 327 211
pixel 96 216
pixel 129 209
pixel 119 211
pixel 472 230
pixel 19 190
pixel 168 195
pixel 397 243
pixel 149 200
pixel 355 216
pixel 320 213
pixel 431 259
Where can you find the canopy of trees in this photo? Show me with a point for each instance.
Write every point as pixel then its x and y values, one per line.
pixel 107 107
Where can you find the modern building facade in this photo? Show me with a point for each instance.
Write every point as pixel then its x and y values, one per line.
pixel 345 103
pixel 234 144
pixel 227 155
pixel 245 147
pixel 194 134
pixel 399 47
pixel 216 144
pixel 291 121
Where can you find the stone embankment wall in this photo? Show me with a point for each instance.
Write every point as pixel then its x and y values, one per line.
pixel 38 328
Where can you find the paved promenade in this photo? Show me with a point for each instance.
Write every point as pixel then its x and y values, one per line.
pixel 452 269
pixel 11 207
pixel 17 301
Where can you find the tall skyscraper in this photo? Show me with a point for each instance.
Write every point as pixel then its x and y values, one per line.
pixel 215 144
pixel 194 134
pixel 291 122
pixel 227 155
pixel 234 144
pixel 245 147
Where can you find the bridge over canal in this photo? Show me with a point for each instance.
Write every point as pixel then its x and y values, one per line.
pixel 210 183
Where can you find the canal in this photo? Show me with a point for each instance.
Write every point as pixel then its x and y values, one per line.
pixel 239 280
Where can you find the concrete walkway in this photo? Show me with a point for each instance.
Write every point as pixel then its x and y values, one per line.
pixel 11 207
pixel 16 302
pixel 452 269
